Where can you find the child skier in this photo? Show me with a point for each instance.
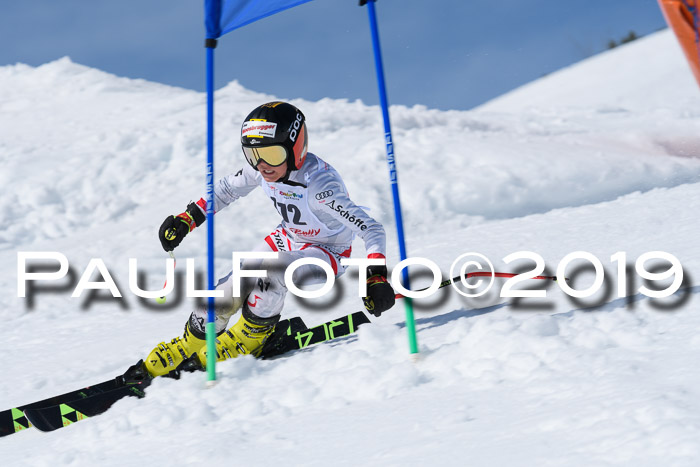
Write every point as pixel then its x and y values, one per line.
pixel 319 221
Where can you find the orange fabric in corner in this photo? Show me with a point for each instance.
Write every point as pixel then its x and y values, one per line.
pixel 680 19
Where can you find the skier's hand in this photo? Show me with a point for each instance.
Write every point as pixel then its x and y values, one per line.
pixel 175 228
pixel 380 294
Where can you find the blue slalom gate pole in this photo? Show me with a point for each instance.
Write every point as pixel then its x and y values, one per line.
pixel 221 17
pixel 393 177
pixel 210 44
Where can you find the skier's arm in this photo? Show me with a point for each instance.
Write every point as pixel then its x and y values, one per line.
pixel 233 186
pixel 226 191
pixel 330 202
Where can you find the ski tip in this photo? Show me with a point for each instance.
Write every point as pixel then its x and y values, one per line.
pixel 36 422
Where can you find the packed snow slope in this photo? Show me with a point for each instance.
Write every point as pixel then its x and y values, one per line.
pixel 601 157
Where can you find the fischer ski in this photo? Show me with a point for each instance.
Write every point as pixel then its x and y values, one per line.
pixel 13 420
pixel 290 334
pixel 301 338
pixel 64 414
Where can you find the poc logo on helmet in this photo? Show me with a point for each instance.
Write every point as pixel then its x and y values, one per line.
pixel 295 128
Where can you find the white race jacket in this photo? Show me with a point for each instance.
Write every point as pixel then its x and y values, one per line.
pixel 314 205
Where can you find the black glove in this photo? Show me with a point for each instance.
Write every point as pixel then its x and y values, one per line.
pixel 380 295
pixel 174 228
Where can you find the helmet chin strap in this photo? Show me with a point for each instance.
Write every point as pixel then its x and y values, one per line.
pixel 290 166
pixel 285 179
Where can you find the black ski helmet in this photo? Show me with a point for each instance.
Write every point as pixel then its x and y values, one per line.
pixel 275 132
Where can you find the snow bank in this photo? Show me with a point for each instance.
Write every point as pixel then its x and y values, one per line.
pixel 600 157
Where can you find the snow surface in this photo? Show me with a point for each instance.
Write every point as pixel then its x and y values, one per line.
pixel 603 157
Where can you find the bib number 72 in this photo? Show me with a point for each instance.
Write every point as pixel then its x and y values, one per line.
pixel 286 209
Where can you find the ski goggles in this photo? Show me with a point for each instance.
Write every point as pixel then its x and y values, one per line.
pixel 271 155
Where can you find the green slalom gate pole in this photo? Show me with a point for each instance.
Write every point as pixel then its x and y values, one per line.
pixel 410 320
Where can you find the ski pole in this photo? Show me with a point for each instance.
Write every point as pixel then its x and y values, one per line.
pixel 161 300
pixel 478 274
